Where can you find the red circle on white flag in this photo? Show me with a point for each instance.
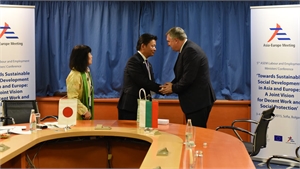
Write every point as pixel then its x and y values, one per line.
pixel 68 112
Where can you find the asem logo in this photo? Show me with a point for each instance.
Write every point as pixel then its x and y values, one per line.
pixel 276 30
pixel 290 140
pixel 277 138
pixel 8 33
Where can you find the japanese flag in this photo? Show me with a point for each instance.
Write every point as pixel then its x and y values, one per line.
pixel 67 112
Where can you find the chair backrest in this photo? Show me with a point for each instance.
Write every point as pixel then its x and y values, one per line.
pixel 19 110
pixel 260 138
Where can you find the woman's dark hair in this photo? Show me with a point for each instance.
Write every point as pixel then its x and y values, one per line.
pixel 79 58
pixel 145 39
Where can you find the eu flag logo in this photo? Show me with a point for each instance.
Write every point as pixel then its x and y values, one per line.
pixel 277 138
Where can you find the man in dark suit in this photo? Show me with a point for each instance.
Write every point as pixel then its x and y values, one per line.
pixel 192 81
pixel 138 74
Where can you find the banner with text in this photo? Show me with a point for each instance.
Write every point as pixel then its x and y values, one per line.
pixel 17 52
pixel 275 74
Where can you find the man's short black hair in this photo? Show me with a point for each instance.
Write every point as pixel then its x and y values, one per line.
pixel 145 39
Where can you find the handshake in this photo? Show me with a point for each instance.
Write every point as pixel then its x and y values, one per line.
pixel 166 88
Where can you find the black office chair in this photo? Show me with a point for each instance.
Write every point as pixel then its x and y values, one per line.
pixel 291 158
pixel 18 111
pixel 259 136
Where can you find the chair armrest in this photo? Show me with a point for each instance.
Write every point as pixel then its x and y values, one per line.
pixel 244 120
pixel 236 129
pixel 7 118
pixel 282 157
pixel 47 117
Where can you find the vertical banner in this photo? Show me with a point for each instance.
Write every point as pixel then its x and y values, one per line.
pixel 17 52
pixel 275 75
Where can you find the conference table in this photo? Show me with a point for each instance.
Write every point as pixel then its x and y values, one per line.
pixel 121 144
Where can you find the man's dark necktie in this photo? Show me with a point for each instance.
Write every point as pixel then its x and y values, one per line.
pixel 148 68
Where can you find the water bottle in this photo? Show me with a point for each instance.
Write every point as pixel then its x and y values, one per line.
pixel 38 118
pixel 196 159
pixel 199 156
pixel 32 121
pixel 189 134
